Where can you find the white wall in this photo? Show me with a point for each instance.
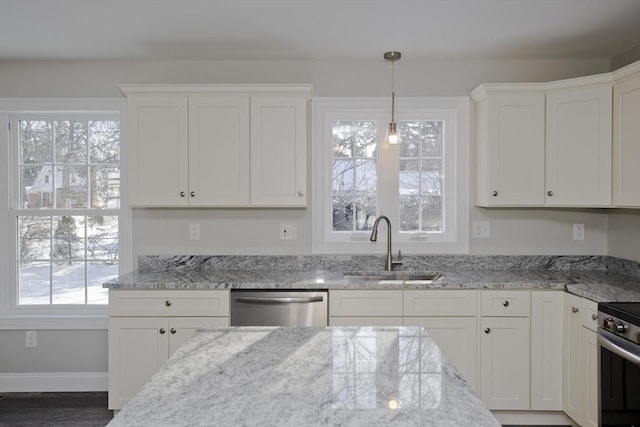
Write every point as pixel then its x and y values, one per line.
pixel 624 234
pixel 232 231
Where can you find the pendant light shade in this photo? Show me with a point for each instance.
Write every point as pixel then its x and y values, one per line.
pixel 393 136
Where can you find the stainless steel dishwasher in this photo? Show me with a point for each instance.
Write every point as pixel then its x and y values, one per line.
pixel 279 308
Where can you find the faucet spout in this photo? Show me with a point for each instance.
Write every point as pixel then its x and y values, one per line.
pixel 389 262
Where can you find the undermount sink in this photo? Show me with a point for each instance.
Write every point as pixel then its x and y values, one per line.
pixel 399 277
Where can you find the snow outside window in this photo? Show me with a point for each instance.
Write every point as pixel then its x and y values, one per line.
pixel 420 184
pixel 66 204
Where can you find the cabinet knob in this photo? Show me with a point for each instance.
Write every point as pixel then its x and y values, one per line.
pixel 487 330
pixel 300 194
pixel 182 194
pixel 494 194
pixel 594 316
pixel 162 331
pixel 574 309
pixel 549 193
pixel 506 303
pixel 167 303
pixel 192 194
pixel 172 330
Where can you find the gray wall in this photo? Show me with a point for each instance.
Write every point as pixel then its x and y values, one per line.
pixel 233 231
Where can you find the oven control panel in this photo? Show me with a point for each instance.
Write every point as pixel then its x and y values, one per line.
pixel 619 327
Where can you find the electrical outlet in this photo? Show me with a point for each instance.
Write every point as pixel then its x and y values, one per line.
pixel 481 229
pixel 32 339
pixel 194 231
pixel 288 231
pixel 578 231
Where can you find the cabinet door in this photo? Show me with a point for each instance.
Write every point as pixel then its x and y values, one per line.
pixel 546 350
pixel 456 336
pixel 183 328
pixel 514 164
pixel 590 391
pixel 158 155
pixel 505 362
pixel 219 150
pixel 138 346
pixel 626 142
pixel 278 151
pixel 578 157
pixel 572 367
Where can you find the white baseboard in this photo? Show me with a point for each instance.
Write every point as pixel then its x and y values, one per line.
pixel 533 418
pixel 52 381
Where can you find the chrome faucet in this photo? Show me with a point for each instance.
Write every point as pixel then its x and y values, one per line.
pixel 389 263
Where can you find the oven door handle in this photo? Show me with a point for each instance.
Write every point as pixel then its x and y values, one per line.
pixel 618 346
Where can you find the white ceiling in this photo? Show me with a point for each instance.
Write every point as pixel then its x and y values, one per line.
pixel 316 29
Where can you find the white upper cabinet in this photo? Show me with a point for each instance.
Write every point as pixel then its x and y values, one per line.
pixel 570 143
pixel 626 137
pixel 218 150
pixel 158 140
pixel 510 145
pixel 278 151
pixel 218 145
pixel 578 161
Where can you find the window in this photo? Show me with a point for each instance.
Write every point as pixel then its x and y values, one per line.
pixel 65 219
pixel 421 184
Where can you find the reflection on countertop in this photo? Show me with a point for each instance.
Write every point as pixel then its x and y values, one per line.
pixel 382 376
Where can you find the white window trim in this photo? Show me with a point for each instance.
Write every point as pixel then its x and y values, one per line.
pixel 358 243
pixel 12 316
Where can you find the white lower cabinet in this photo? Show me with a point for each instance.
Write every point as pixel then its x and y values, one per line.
pixel 580 361
pixel 505 349
pixel 450 317
pixel 546 350
pixel 365 307
pixel 147 327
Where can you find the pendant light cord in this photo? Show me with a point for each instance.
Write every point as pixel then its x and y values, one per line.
pixel 393 95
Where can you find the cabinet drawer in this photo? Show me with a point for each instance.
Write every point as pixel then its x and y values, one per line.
pixel 365 321
pixel 440 303
pixel 590 314
pixel 169 303
pixel 505 303
pixel 365 303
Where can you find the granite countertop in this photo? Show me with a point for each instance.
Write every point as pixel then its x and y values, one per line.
pixel 598 286
pixel 269 376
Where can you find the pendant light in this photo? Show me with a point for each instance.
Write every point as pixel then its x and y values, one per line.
pixel 393 136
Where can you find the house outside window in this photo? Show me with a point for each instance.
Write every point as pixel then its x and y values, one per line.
pixel 67 215
pixel 421 184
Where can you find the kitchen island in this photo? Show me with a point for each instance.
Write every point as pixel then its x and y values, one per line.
pixel 342 376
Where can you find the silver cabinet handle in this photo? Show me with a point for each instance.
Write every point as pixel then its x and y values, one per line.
pixel 594 317
pixel 549 193
pixel 494 194
pixel 167 303
pixel 487 330
pixel 192 194
pixel 173 330
pixel 162 331
pixel 574 309
pixel 278 300
pixel 300 194
pixel 182 194
pixel 506 303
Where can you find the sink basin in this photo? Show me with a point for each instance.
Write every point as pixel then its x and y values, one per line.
pixel 391 276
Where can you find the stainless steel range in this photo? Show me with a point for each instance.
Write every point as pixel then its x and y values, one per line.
pixel 619 363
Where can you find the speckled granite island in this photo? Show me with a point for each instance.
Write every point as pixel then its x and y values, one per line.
pixel 347 376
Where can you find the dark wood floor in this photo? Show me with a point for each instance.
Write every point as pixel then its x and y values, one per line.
pixel 60 409
pixel 54 409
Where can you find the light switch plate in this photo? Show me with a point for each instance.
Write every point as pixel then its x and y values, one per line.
pixel 481 229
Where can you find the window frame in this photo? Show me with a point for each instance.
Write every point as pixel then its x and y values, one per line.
pixel 456 111
pixel 53 316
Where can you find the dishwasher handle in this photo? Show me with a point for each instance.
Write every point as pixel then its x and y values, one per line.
pixel 279 300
